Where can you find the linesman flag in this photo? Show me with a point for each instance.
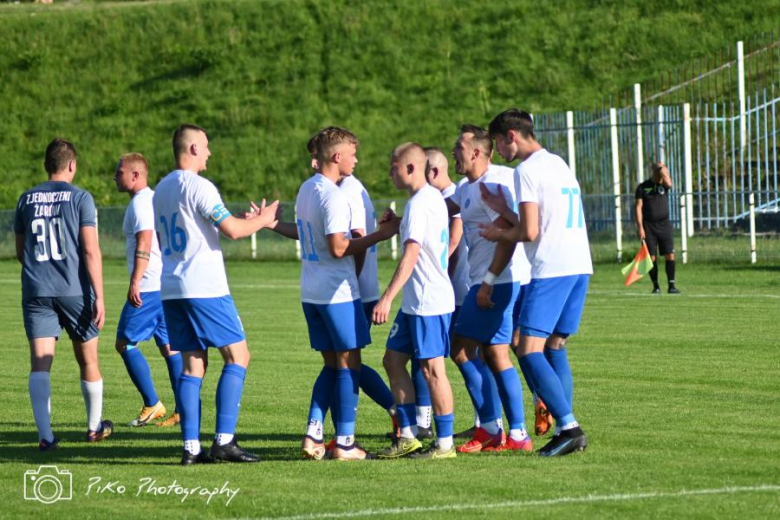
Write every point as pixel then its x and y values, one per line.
pixel 639 267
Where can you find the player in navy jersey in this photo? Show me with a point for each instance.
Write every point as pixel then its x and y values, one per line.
pixel 62 287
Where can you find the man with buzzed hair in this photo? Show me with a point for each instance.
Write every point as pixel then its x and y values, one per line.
pixel 330 291
pixel 421 327
pixel 551 225
pixel 199 311
pixel 62 287
pixel 486 319
pixel 142 316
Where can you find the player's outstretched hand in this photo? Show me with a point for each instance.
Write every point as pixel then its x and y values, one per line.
pixel 267 213
pixel 491 232
pixel 134 295
pixel 98 313
pixel 483 296
pixel 389 228
pixel 494 201
pixel 381 311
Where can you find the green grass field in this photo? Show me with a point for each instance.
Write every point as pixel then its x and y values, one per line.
pixel 678 396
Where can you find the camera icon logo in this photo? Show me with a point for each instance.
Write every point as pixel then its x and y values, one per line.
pixel 48 484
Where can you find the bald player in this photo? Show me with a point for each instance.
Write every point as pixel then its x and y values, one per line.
pixel 421 327
pixel 142 316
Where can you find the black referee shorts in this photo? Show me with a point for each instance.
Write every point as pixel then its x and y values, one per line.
pixel 658 236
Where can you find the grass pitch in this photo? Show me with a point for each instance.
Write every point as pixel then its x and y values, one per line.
pixel 677 394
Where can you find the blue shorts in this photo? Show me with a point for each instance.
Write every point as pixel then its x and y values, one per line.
pixel 553 306
pixel 46 317
pixel 138 324
pixel 368 310
pixel 518 307
pixel 336 326
pixel 200 323
pixel 420 337
pixel 489 326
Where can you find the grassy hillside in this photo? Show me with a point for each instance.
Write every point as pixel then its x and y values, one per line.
pixel 262 76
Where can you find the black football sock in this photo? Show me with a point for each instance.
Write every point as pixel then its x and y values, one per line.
pixel 654 274
pixel 670 272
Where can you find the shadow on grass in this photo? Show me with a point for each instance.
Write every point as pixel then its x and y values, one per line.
pixel 749 267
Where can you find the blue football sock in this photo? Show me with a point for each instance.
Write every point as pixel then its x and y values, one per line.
pixel 175 366
pixel 374 387
pixel 140 374
pixel 489 389
pixel 528 376
pixel 511 390
pixel 548 387
pixel 229 390
pixel 422 393
pixel 406 415
pixel 476 387
pixel 322 394
pixel 560 364
pixel 347 387
pixel 189 397
pixel 444 424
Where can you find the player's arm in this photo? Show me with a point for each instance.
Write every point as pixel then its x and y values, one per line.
pixel 143 253
pixel 339 245
pixel 640 224
pixel 526 229
pixel 456 233
pixel 452 207
pixel 259 218
pixel 93 260
pixel 501 258
pixel 20 248
pixel 360 258
pixel 498 203
pixel 400 277
pixel 286 229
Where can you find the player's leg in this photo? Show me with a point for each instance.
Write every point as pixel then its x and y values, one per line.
pixel 371 383
pixel 323 391
pixel 666 248
pixel 397 355
pixel 432 345
pixel 511 391
pixel 42 326
pixel 422 401
pixel 556 354
pixel 75 314
pixel 175 364
pixel 543 307
pixel 229 391
pixel 190 383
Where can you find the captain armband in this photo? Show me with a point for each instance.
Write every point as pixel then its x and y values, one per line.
pixel 144 255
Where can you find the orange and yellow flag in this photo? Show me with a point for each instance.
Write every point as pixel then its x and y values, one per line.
pixel 638 267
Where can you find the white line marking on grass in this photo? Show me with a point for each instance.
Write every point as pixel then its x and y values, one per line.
pixel 684 295
pixel 515 504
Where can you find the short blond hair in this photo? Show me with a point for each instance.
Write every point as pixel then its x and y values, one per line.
pixel 329 138
pixel 135 158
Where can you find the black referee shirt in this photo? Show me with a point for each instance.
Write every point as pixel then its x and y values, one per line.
pixel 655 201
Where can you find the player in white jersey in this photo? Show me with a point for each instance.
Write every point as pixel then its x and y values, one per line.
pixel 329 290
pixel 199 311
pixel 497 272
pixel 421 327
pixel 551 225
pixel 142 315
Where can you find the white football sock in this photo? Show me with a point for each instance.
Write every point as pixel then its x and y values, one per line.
pixel 424 416
pixel 444 443
pixel 192 447
pixel 224 438
pixel 569 426
pixel 314 430
pixel 518 434
pixel 477 422
pixel 93 400
pixel 492 427
pixel 406 432
pixel 39 386
pixel 345 440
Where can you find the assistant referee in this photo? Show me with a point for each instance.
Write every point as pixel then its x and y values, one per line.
pixel 652 217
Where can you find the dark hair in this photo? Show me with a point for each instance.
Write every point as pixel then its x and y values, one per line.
pixel 481 138
pixel 512 119
pixel 58 154
pixel 179 141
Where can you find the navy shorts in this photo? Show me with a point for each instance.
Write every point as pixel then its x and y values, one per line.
pixel 368 310
pixel 489 326
pixel 337 326
pixel 553 306
pixel 138 324
pixel 420 337
pixel 200 323
pixel 46 317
